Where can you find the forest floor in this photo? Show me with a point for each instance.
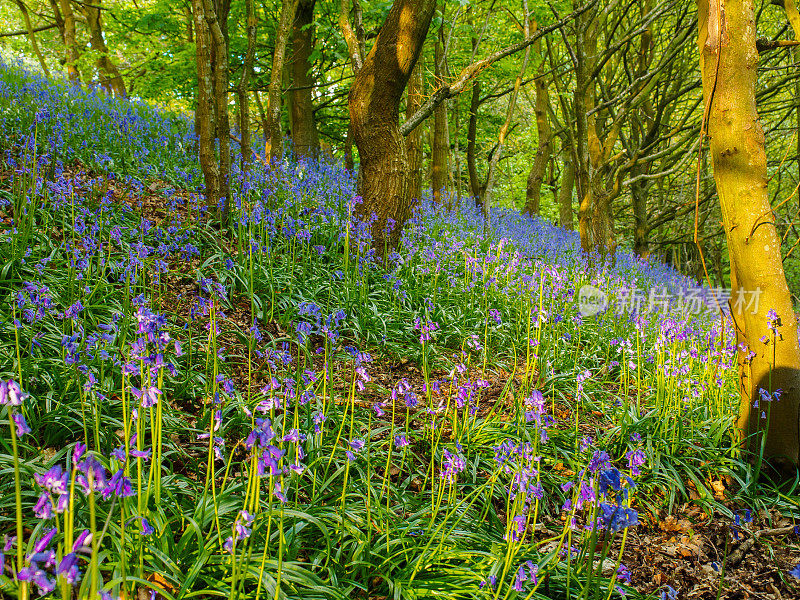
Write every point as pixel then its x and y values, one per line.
pixel 699 555
pixel 446 425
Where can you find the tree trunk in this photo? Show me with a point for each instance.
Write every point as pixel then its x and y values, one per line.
pixel 32 36
pixel 70 46
pixel 414 139
pixel 439 149
pixel 220 94
pixel 274 136
pixel 189 24
pixel 58 18
pixel 304 128
pixel 204 113
pixel 110 77
pixel 580 96
pixel 475 186
pixel 728 62
pixel 565 190
pixel 374 105
pixel 640 230
pixel 241 89
pixel 512 101
pixel 545 145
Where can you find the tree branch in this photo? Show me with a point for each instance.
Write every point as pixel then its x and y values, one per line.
pixel 470 72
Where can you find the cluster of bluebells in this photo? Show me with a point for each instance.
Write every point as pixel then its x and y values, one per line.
pixel 603 487
pixel 275 456
pixel 314 322
pixel 426 329
pixel 452 464
pixel 90 477
pixel 12 396
pixel 514 264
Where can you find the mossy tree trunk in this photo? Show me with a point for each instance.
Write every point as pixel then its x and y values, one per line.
pixel 216 28
pixel 241 89
pixel 70 43
pixel 544 149
pixel 110 77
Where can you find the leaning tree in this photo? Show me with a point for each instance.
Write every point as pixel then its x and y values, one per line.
pixel 769 354
pixel 375 117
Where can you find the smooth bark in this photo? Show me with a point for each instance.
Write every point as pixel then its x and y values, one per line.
pixel 305 137
pixel 241 89
pixel 274 136
pixel 729 61
pixel 26 17
pixel 565 212
pixel 222 129
pixel 70 45
pixel 544 149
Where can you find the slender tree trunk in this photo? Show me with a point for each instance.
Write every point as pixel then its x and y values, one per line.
pixel 728 62
pixel 110 77
pixel 640 230
pixel 512 101
pixel 439 150
pixel 274 136
pixel 644 114
pixel 374 115
pixel 545 145
pixel 262 115
pixel 26 17
pixel 189 24
pixel 57 18
pixel 241 89
pixel 204 121
pixel 457 149
pixel 304 127
pixel 414 99
pixel 220 94
pixel 796 61
pixel 70 44
pixel 565 215
pixel 583 67
pixel 475 186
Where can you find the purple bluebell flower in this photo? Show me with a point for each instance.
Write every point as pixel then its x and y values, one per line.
pixel 68 568
pixel 119 486
pixel 148 395
pixel 617 517
pixel 636 458
pixel 11 394
pixel 22 425
pixel 669 593
pixel 83 541
pixel 147 529
pixel 39 577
